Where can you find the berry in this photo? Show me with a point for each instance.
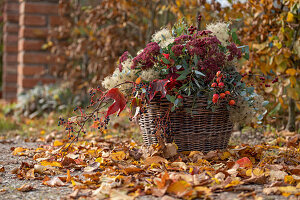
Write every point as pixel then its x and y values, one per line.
pixel 231 102
pixel 179 97
pixel 227 92
pixel 218 80
pixel 221 85
pixel 214 85
pixel 218 73
pixel 267 85
pixel 222 95
pixel 215 98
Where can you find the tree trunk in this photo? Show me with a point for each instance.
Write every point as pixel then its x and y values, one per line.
pixel 291 125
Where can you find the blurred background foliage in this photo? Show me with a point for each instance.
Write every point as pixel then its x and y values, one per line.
pixel 95 33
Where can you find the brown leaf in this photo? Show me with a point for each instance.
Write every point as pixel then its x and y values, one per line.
pixel 2 169
pixel 154 159
pixel 132 169
pixel 170 150
pixel 55 181
pixel 26 188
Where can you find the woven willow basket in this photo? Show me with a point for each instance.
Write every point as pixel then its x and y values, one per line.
pixel 203 131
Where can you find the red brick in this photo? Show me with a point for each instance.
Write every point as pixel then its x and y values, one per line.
pixel 34 58
pixel 48 80
pixel 11 28
pixel 10 38
pixel 9 17
pixel 29 82
pixel 28 70
pixel 33 32
pixel 33 20
pixel 10 6
pixel 10 68
pixel 40 8
pixel 10 58
pixel 10 89
pixel 10 78
pixel 10 48
pixel 55 20
pixel 30 45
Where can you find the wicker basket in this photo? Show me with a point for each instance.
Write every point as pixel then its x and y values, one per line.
pixel 203 131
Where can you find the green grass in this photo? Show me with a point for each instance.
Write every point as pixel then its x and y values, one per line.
pixel 7 125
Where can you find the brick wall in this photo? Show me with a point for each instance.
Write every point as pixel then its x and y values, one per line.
pixel 36 19
pixel 10 49
pixel 26 27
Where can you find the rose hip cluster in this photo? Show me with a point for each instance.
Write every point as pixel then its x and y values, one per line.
pixel 219 85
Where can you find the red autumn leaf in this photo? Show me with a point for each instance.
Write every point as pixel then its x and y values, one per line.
pixel 158 86
pixel 244 162
pixel 119 103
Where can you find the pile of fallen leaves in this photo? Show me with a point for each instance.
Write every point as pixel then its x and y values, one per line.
pixel 118 168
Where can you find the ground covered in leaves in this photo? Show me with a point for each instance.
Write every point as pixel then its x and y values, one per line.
pixel 117 166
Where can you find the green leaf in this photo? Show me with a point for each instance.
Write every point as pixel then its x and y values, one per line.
pixel 197 83
pixel 199 73
pixel 260 117
pixel 195 60
pixel 265 103
pixel 182 76
pixel 166 61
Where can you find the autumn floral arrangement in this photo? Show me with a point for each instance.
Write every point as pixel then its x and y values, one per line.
pixel 177 63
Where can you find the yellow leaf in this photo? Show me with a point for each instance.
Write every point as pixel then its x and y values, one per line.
pixel 288 190
pixel 278 44
pixel 281 101
pixel 68 176
pixel 120 155
pixel 18 150
pixel 293 93
pixel 203 190
pixel 233 183
pixel 258 172
pixel 289 179
pixel 249 172
pixel 225 155
pixel 99 160
pixel 290 17
pixel 53 163
pixel 178 188
pixel 291 71
pixel 42 132
pixel 57 143
pixel 293 81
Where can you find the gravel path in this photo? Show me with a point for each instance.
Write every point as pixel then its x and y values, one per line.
pixel 9 183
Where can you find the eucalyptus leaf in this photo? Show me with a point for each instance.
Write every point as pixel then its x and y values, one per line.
pixel 265 103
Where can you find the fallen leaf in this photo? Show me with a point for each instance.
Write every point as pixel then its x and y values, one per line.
pixel 92 167
pixel 51 163
pixel 179 188
pixel 57 143
pixel 26 188
pixel 154 159
pixel 181 165
pixel 277 175
pixel 120 155
pixel 170 150
pixel 18 150
pixel 132 169
pixel 244 162
pixel 53 182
